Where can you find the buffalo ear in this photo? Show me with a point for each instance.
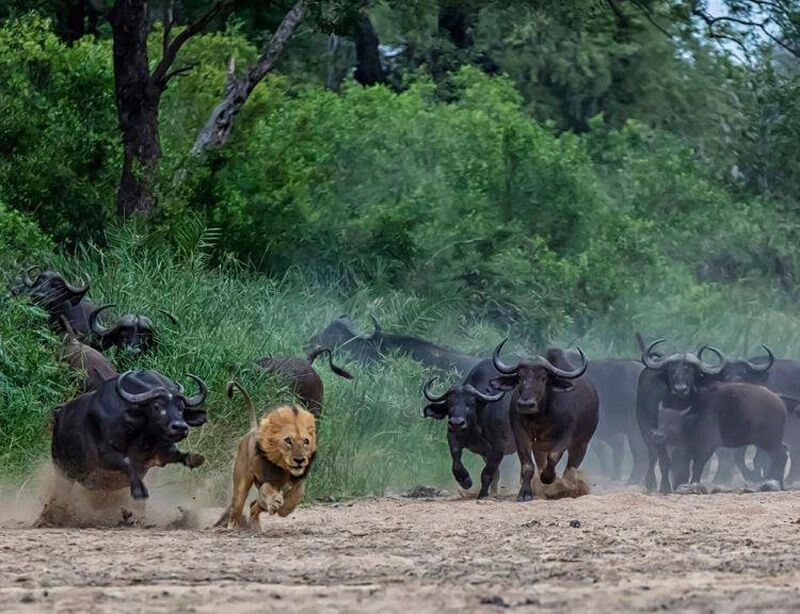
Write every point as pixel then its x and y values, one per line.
pixel 195 417
pixel 559 384
pixel 437 411
pixel 504 382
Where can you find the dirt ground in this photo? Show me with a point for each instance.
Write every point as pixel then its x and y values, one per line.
pixel 623 550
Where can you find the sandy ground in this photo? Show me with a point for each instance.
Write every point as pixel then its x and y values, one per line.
pixel 622 550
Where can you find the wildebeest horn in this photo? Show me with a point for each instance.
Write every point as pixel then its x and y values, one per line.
pixel 428 392
pixel 377 324
pixel 138 398
pixel 489 398
pixel 575 373
pixel 200 397
pixel 756 368
pixel 647 358
pixel 708 370
pixel 170 315
pixel 26 276
pixel 97 328
pixel 498 364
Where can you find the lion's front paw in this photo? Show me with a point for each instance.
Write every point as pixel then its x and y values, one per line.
pixel 275 503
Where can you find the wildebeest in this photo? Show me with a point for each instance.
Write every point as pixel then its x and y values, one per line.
pixel 553 409
pixel 87 360
pixel 59 298
pixel 477 420
pixel 132 332
pixel 668 381
pixel 343 334
pixel 301 377
pixel 731 416
pixel 109 438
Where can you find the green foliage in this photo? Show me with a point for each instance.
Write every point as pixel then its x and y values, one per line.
pixel 20 237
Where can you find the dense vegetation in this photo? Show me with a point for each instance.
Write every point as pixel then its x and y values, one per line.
pixel 562 172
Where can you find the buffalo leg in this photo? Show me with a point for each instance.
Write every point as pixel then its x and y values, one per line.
pixel 490 472
pixel 761 465
pixel 779 456
pixel 460 472
pixel 548 475
pixel 639 453
pixel 115 461
pixel 664 466
pixel 699 462
pixel 650 476
pixel 525 452
pixel 576 456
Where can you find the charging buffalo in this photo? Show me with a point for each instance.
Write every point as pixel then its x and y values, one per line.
pixel 553 409
pixel 109 438
pixel 50 291
pixel 477 420
pixel 132 332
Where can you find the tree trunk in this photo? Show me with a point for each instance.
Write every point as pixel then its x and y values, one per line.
pixel 137 106
pixel 368 58
pixel 219 125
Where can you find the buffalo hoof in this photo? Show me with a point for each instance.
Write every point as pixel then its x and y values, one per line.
pixel 770 486
pixel 194 460
pixel 548 478
pixel 483 495
pixel 465 483
pixel 524 498
pixel 691 489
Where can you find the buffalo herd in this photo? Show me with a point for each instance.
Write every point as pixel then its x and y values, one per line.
pixel 674 411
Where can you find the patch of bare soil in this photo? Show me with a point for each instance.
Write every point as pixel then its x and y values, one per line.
pixel 611 552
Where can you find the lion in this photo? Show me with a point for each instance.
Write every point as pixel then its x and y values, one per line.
pixel 276 455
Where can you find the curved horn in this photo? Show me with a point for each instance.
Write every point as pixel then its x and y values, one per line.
pixel 575 373
pixel 170 315
pixel 709 370
pixel 755 368
pixel 377 324
pixel 428 392
pixel 648 360
pixel 78 290
pixel 200 397
pixel 26 276
pixel 138 398
pixel 722 357
pixel 489 398
pixel 97 328
pixel 500 365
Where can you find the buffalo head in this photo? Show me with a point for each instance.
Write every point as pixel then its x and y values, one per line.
pixel 460 405
pixel 130 331
pixel 751 371
pixel 50 290
pixel 683 371
pixel 532 379
pixel 343 334
pixel 160 405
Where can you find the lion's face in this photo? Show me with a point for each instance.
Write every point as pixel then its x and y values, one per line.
pixel 288 436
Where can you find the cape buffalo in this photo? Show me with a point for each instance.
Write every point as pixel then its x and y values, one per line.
pixel 132 332
pixel 58 298
pixel 477 420
pixel 731 416
pixel 668 381
pixel 342 334
pixel 552 410
pixel 300 375
pixel 109 438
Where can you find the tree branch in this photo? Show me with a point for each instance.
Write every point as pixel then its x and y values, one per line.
pixel 178 72
pixel 172 49
pixel 167 18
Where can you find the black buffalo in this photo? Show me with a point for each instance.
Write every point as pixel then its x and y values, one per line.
pixel 132 332
pixel 731 415
pixel 477 420
pixel 342 334
pixel 301 377
pixel 109 438
pixel 553 409
pixel 59 298
pixel 671 382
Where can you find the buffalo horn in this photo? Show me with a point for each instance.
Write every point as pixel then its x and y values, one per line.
pixel 757 368
pixel 489 398
pixel 138 398
pixel 428 392
pixel 498 364
pixel 96 327
pixel 647 358
pixel 200 397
